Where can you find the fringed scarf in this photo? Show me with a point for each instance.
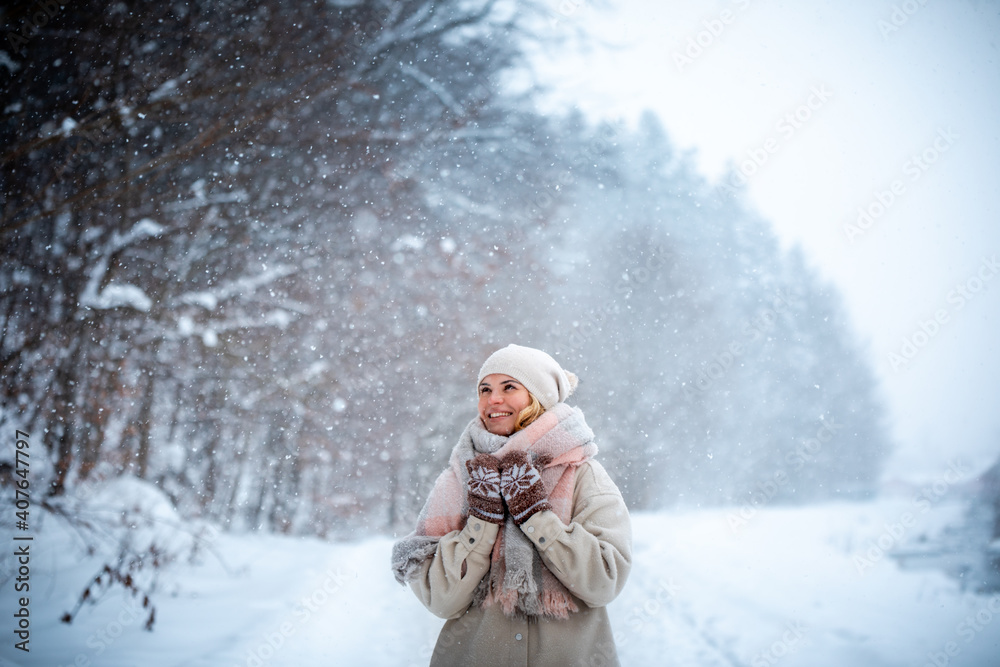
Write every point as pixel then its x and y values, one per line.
pixel 557 443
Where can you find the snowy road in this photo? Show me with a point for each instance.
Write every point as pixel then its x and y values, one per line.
pixel 783 589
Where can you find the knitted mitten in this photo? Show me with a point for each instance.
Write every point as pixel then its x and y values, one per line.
pixel 522 487
pixel 484 488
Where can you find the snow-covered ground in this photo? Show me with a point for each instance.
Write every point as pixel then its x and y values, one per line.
pixel 789 586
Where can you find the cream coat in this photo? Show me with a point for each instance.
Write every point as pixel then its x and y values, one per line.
pixel 591 556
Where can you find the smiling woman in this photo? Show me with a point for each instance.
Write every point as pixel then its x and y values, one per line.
pixel 524 539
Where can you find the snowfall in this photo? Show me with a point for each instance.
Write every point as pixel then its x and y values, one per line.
pixel 750 586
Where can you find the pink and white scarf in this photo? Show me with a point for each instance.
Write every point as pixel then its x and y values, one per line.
pixel 557 443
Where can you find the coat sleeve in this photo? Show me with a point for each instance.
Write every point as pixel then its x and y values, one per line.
pixel 592 556
pixel 447 581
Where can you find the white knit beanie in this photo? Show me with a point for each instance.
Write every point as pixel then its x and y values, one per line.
pixel 538 372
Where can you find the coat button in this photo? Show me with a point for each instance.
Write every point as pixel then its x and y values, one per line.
pixel 471 540
pixel 476 527
pixel 541 540
pixel 531 529
pixel 518 636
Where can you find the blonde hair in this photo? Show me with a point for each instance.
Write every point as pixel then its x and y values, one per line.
pixel 529 414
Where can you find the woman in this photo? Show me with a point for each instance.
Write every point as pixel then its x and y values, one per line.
pixel 524 538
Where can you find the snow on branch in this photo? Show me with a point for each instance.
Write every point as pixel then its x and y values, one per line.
pixel 10 64
pixel 145 228
pixel 443 197
pixel 209 333
pixel 166 89
pixel 117 295
pixel 209 299
pixel 237 196
pixel 439 91
pixel 423 22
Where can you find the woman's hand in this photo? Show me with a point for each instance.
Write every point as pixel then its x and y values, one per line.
pixel 484 488
pixel 522 487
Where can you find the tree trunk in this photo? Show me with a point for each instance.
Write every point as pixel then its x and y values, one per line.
pixel 145 417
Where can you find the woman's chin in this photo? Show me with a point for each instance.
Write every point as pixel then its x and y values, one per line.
pixel 500 429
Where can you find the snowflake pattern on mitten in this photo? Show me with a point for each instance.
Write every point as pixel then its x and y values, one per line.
pixel 483 488
pixel 484 482
pixel 522 487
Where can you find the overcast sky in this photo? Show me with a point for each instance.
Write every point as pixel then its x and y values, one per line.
pixel 895 109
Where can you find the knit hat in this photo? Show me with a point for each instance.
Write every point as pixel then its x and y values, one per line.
pixel 538 372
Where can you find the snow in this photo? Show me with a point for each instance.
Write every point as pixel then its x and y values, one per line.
pixel 117 295
pixel 12 66
pixel 407 242
pixel 185 325
pixel 145 228
pixel 166 89
pixel 783 588
pixel 209 338
pixel 206 300
pixel 209 299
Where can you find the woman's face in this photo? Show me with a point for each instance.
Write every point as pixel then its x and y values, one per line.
pixel 501 399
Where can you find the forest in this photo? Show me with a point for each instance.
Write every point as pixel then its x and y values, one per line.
pixel 254 253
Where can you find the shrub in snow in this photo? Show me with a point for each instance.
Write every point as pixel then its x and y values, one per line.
pixel 132 531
